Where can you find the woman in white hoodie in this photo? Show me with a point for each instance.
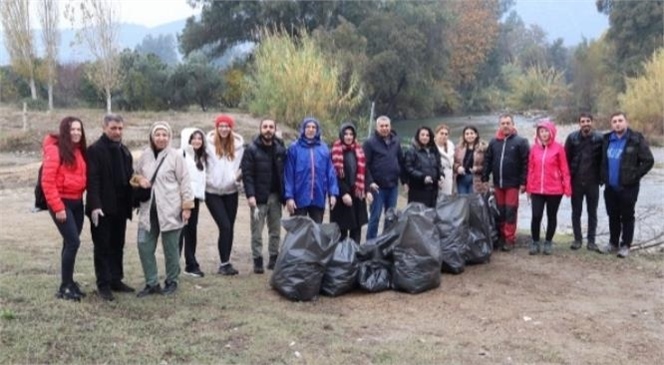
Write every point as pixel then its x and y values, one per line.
pixel 224 149
pixel 446 149
pixel 195 156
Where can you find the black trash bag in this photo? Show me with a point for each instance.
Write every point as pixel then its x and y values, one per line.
pixel 452 213
pixel 307 249
pixel 417 256
pixel 478 250
pixel 341 272
pixel 494 213
pixel 375 275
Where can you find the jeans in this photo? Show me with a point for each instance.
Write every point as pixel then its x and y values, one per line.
pixel 271 211
pixel 223 209
pixel 188 239
pixel 70 230
pixel 620 209
pixel 465 184
pixel 591 193
pixel 109 241
pixel 552 202
pixel 147 245
pixel 383 200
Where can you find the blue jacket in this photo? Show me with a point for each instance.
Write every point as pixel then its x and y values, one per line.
pixel 309 176
pixel 384 161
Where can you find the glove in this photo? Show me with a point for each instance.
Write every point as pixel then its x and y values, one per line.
pixel 94 216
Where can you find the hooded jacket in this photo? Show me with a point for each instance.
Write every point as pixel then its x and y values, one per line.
pixel 171 190
pixel 548 173
pixel 196 176
pixel 309 176
pixel 60 181
pixel 259 168
pixel 222 172
pixel 507 159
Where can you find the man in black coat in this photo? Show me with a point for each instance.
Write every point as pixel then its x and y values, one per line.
pixel 583 149
pixel 109 204
pixel 262 174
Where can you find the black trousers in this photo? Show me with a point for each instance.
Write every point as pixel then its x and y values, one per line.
pixel 70 230
pixel 591 193
pixel 552 202
pixel 314 213
pixel 620 209
pixel 223 209
pixel 354 234
pixel 109 241
pixel 188 239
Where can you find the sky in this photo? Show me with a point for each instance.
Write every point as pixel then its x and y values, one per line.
pixel 154 12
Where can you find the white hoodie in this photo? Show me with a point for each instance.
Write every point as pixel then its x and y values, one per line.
pixel 196 176
pixel 222 173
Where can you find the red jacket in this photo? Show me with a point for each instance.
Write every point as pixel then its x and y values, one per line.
pixel 548 173
pixel 61 181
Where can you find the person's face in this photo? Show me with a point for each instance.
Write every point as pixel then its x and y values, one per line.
pixel 506 125
pixel 441 136
pixel 543 135
pixel 268 129
pixel 619 124
pixel 196 141
pixel 349 136
pixel 585 125
pixel 76 131
pixel 160 139
pixel 383 128
pixel 310 130
pixel 423 137
pixel 224 130
pixel 469 136
pixel 113 130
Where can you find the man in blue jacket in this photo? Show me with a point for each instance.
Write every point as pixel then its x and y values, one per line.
pixel 384 161
pixel 309 176
pixel 626 158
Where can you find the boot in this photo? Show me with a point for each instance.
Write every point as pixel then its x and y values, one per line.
pixel 258 265
pixel 272 262
pixel 548 248
pixel 534 248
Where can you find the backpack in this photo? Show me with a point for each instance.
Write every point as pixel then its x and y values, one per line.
pixel 40 198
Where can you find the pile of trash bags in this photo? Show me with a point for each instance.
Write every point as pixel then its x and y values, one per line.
pixel 415 246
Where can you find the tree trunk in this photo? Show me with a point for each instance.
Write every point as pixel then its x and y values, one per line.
pixel 108 101
pixel 50 96
pixel 33 89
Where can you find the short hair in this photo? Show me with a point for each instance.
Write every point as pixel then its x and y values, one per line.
pixel 615 114
pixel 506 115
pixel 585 115
pixel 383 118
pixel 260 125
pixel 111 117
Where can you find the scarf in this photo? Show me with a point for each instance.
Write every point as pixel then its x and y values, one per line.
pixel 338 149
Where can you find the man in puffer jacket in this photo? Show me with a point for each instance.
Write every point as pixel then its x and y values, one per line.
pixel 309 176
pixel 507 159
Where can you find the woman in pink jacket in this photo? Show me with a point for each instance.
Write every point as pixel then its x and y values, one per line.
pixel 548 180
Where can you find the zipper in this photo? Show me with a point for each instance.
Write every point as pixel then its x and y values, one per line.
pixel 542 171
pixel 313 171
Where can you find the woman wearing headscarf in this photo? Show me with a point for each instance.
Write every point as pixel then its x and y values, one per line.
pixel 423 168
pixel 162 169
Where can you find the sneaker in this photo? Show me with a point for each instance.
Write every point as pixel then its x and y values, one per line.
pixel 272 262
pixel 106 294
pixel 149 290
pixel 534 248
pixel 227 270
pixel 258 265
pixel 623 252
pixel 548 248
pixel 592 247
pixel 197 273
pixel 577 245
pixel 170 287
pixel 67 292
pixel 121 287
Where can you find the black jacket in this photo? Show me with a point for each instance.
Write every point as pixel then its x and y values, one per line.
pixel 507 160
pixel 421 162
pixel 384 160
pixel 636 160
pixel 584 157
pixel 102 190
pixel 258 166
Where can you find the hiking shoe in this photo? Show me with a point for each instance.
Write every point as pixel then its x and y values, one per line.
pixel 258 265
pixel 121 287
pixel 227 270
pixel 623 252
pixel 170 287
pixel 534 248
pixel 106 294
pixel 272 262
pixel 577 245
pixel 149 290
pixel 197 273
pixel 548 248
pixel 67 292
pixel 592 247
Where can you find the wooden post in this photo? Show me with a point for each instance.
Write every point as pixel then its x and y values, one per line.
pixel 25 116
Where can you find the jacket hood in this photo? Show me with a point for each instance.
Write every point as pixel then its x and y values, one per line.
pixel 548 124
pixel 304 123
pixel 186 134
pixel 50 140
pixel 500 135
pixel 345 126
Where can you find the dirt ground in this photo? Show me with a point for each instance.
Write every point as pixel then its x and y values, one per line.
pixel 568 308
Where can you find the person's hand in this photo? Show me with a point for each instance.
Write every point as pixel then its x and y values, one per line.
pixel 461 170
pixel 369 198
pixel 61 216
pixel 428 180
pixel 333 202
pixel 405 188
pixel 186 214
pixel 347 200
pixel 144 182
pixel 94 216
pixel 374 187
pixel 252 201
pixel 523 189
pixel 290 206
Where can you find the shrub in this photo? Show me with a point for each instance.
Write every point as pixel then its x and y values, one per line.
pixel 643 99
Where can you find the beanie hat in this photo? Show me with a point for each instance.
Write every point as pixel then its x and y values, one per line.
pixel 160 125
pixel 224 119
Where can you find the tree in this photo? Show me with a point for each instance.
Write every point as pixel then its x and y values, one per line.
pixel 18 39
pixel 194 81
pixel 162 46
pixel 144 84
pixel 48 17
pixel 99 32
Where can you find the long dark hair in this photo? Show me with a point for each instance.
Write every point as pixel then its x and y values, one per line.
pixel 463 142
pixel 66 147
pixel 200 155
pixel 431 143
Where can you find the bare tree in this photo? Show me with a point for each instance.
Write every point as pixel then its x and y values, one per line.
pixel 99 20
pixel 48 17
pixel 15 16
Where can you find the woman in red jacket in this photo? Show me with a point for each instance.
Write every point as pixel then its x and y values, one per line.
pixel 548 180
pixel 63 181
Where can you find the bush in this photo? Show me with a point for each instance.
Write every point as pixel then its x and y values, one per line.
pixel 643 100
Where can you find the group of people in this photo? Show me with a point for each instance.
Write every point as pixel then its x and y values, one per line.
pixel 308 176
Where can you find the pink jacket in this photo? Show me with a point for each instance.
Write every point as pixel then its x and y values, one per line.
pixel 548 173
